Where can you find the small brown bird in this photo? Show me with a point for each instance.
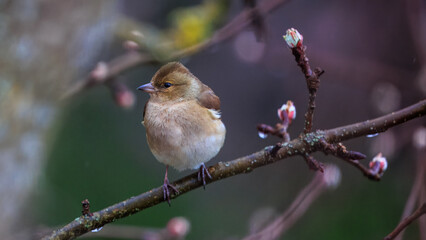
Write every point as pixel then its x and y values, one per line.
pixel 183 122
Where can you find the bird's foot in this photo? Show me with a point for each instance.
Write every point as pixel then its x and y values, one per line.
pixel 168 189
pixel 202 172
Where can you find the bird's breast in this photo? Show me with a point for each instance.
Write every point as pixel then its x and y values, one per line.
pixel 184 134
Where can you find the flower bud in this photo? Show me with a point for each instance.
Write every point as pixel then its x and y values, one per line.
pixel 288 108
pixel 100 72
pixel 125 99
pixel 178 227
pixel 130 45
pixel 419 138
pixel 332 176
pixel 293 38
pixel 383 163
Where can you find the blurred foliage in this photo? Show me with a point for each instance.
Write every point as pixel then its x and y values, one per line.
pixel 42 43
pixel 188 26
pixel 194 24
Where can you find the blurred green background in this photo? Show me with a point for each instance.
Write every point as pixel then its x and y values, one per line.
pixel 97 150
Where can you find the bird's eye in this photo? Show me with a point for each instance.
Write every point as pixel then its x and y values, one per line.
pixel 167 84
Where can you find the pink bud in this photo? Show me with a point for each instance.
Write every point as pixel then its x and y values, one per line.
pixel 288 108
pixel 125 98
pixel 332 176
pixel 130 45
pixel 419 138
pixel 100 72
pixel 293 38
pixel 178 227
pixel 381 160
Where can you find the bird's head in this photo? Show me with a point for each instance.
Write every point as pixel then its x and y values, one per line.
pixel 172 82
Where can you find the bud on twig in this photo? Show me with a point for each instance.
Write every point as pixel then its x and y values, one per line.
pixel 125 99
pixel 379 164
pixel 293 38
pixel 130 45
pixel 290 109
pixel 122 95
pixel 100 72
pixel 85 204
pixel 178 227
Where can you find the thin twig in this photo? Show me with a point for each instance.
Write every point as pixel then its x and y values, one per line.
pixel 299 205
pixel 132 59
pixel 422 196
pixel 280 129
pixel 376 125
pixel 373 175
pixel 402 225
pixel 312 81
pixel 85 204
pixel 352 157
pixel 303 144
pixel 415 192
pixel 115 67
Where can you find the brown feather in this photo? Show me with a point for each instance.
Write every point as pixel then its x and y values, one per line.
pixel 182 120
pixel 208 99
pixel 169 68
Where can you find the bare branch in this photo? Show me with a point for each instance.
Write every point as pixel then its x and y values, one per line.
pixel 312 81
pixel 306 143
pixel 402 225
pixel 415 192
pixel 377 125
pixel 300 204
pixel 115 67
pixel 133 59
pixel 422 199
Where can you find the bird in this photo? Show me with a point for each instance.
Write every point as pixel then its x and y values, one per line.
pixel 183 123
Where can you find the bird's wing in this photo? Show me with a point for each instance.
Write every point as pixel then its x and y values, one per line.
pixel 208 99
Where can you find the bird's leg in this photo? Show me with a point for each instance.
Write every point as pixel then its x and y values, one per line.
pixel 166 186
pixel 201 174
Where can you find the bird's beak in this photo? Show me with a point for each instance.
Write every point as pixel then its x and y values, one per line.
pixel 147 88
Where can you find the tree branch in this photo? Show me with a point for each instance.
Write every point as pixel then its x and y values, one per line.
pixel 312 81
pixel 377 125
pixel 305 143
pixel 415 192
pixel 422 199
pixel 402 225
pixel 133 59
pixel 319 183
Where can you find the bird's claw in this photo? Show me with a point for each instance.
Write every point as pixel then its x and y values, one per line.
pixel 166 191
pixel 202 172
